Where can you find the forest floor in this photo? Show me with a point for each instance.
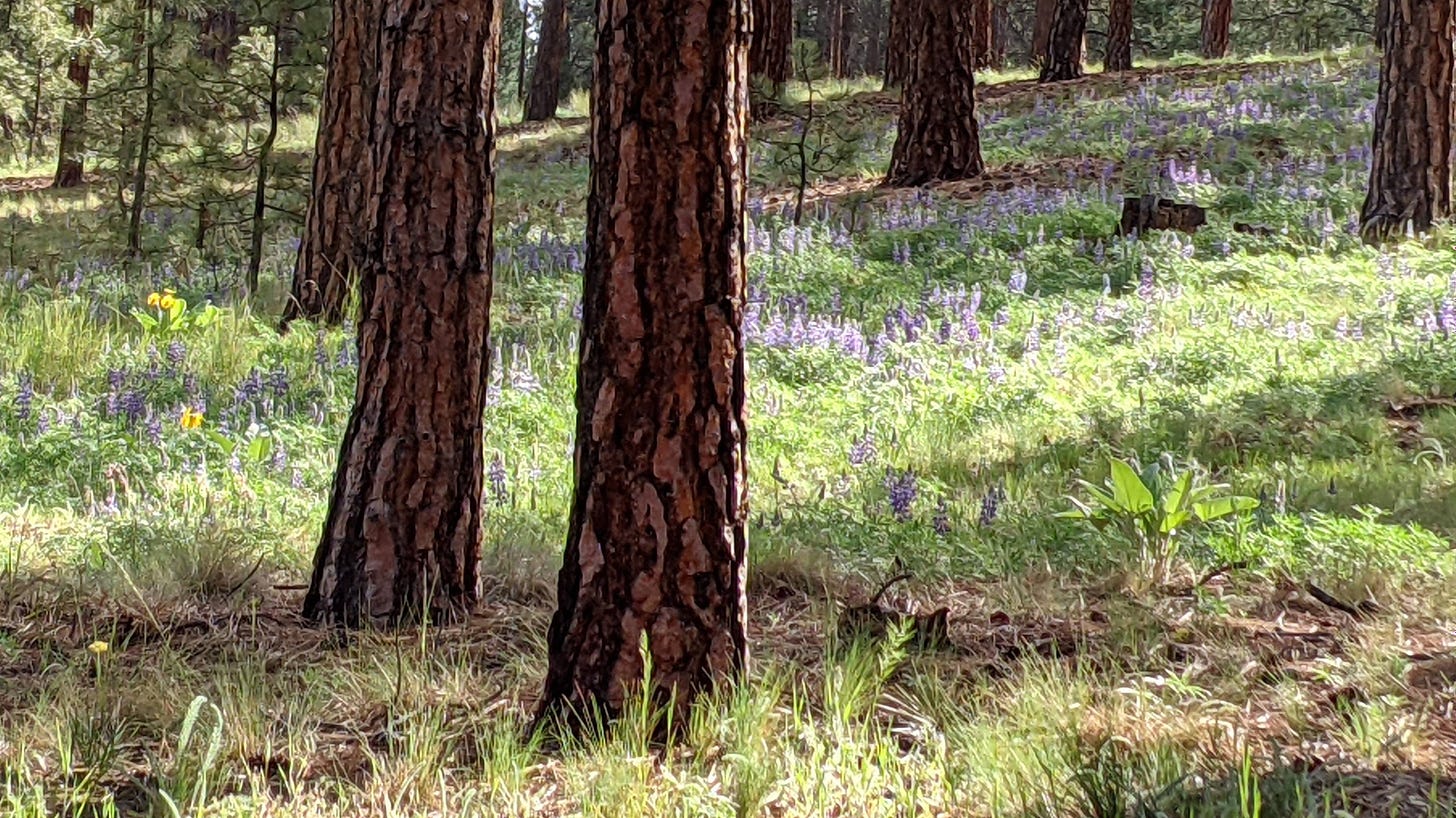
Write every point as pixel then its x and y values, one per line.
pixel 932 373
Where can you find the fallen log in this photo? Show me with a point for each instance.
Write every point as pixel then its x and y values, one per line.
pixel 1143 213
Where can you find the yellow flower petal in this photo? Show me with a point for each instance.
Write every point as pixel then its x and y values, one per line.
pixel 98 647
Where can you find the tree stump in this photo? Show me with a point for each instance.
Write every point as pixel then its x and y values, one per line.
pixel 1143 213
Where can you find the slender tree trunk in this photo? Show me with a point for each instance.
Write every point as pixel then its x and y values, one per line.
pixel 1119 36
pixel 1042 30
pixel 768 54
pixel 983 32
pixel 144 138
pixel 938 138
pixel 1410 177
pixel 1000 27
pixel 329 257
pixel 545 94
pixel 1064 47
pixel 70 167
pixel 33 137
pixel 402 538
pixel 7 10
pixel 521 64
pixel 848 31
pixel 1218 15
pixel 897 50
pixel 265 166
pixel 657 545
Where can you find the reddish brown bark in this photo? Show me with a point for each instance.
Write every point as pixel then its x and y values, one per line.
pixel 1218 16
pixel 70 167
pixel 898 46
pixel 1410 177
pixel 938 137
pixel 1042 30
pixel 402 537
pixel 1065 41
pixel 983 32
pixel 773 33
pixel 545 94
pixel 329 257
pixel 1119 36
pixel 656 546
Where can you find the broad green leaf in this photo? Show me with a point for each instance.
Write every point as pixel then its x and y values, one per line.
pixel 1128 489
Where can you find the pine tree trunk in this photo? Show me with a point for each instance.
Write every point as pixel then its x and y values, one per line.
pixel 219 34
pixel 1119 36
pixel 657 544
pixel 1041 35
pixel 848 31
pixel 402 537
pixel 773 32
pixel 1410 177
pixel 329 257
pixel 70 168
pixel 938 138
pixel 1000 26
pixel 897 49
pixel 1218 15
pixel 984 32
pixel 545 94
pixel 1066 41
pixel 264 167
pixel 144 138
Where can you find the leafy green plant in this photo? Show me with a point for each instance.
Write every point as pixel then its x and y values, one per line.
pixel 168 314
pixel 1152 508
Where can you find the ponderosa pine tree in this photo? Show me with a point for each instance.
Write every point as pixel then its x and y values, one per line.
pixel 1410 176
pixel 656 545
pixel 1041 31
pixel 401 541
pixel 1218 16
pixel 70 168
pixel 938 138
pixel 984 33
pixel 330 254
pixel 1065 41
pixel 1119 36
pixel 898 43
pixel 773 33
pixel 544 96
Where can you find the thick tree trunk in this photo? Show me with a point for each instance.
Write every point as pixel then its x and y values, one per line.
pixel 773 33
pixel 1041 35
pixel 983 32
pixel 938 138
pixel 1119 36
pixel 1218 15
pixel 219 34
pixel 1410 177
pixel 329 257
pixel 657 545
pixel 403 532
pixel 70 168
pixel 1066 41
pixel 897 49
pixel 545 94
pixel 1000 27
pixel 845 38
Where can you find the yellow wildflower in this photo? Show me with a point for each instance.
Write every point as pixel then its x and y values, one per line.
pixel 191 419
pixel 167 301
pixel 154 300
pixel 98 647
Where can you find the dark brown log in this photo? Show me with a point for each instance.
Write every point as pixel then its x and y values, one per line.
pixel 70 167
pixel 1410 176
pixel 656 546
pixel 938 138
pixel 1066 41
pixel 1218 16
pixel 1141 214
pixel 773 33
pixel 330 255
pixel 401 541
pixel 1119 36
pixel 545 94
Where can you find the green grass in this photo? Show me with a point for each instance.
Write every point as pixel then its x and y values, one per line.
pixel 1078 687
